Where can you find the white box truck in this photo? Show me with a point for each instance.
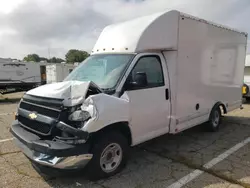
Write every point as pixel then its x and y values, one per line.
pixel 154 75
pixel 57 72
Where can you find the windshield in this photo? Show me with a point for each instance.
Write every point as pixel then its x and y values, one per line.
pixel 103 70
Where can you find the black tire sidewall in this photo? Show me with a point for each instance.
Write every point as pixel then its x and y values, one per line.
pixel 211 125
pixel 93 169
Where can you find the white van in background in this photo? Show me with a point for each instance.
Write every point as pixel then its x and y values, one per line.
pixel 246 87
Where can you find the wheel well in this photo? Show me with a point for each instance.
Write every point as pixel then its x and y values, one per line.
pixel 121 127
pixel 222 107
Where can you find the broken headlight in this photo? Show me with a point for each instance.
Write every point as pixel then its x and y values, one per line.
pixel 79 115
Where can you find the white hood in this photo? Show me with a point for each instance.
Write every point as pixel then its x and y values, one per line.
pixel 103 109
pixel 73 92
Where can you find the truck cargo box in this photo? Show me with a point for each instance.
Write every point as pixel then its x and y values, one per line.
pixel 205 60
pixel 57 72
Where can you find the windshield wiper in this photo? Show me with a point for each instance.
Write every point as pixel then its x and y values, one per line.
pixel 109 91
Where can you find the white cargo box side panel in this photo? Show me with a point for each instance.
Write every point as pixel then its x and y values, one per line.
pixel 51 74
pixel 209 69
pixel 59 72
pixel 67 70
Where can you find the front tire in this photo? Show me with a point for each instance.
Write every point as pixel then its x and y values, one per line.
pixel 214 119
pixel 109 156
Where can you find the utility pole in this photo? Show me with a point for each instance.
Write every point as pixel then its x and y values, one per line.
pixel 49 54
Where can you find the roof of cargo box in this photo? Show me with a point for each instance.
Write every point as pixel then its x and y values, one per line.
pixel 140 34
pixel 154 32
pixel 212 23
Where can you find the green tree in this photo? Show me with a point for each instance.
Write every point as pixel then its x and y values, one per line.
pixel 56 60
pixel 32 57
pixel 76 56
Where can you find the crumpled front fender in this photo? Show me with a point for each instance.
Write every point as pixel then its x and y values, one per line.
pixel 105 110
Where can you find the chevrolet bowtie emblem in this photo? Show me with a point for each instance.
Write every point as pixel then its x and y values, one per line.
pixel 32 116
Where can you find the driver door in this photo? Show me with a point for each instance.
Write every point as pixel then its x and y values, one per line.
pixel 149 103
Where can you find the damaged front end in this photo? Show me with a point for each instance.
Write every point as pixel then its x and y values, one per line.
pixel 72 126
pixel 50 121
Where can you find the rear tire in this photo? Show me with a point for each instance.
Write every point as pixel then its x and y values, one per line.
pixel 214 122
pixel 110 153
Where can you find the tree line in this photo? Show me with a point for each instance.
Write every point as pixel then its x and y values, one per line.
pixel 71 56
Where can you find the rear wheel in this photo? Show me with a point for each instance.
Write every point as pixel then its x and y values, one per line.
pixel 214 119
pixel 109 156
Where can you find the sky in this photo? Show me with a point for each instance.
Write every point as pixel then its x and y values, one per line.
pixel 52 27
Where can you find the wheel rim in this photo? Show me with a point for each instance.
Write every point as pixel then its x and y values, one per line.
pixel 216 118
pixel 111 157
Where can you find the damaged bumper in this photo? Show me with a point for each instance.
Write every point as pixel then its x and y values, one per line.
pixel 53 153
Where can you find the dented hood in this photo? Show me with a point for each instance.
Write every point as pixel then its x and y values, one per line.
pixel 72 92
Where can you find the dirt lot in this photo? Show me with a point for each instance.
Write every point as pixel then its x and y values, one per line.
pixel 192 159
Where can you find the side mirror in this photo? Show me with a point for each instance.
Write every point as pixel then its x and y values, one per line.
pixel 140 79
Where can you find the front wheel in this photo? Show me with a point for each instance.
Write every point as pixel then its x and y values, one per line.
pixel 109 155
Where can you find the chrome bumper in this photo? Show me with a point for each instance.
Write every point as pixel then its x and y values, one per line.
pixel 71 162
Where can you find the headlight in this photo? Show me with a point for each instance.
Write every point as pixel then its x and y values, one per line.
pixel 79 115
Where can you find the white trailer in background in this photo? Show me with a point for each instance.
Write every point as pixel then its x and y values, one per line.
pixel 57 72
pixel 22 76
pixel 150 76
pixel 16 76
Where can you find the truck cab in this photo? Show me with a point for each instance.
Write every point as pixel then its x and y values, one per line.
pixel 153 75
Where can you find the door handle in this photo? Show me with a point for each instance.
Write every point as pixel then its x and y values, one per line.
pixel 167 94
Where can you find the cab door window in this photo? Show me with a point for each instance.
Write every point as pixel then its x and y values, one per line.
pixel 147 73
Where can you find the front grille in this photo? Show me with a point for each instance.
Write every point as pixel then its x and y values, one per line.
pixel 39 109
pixel 43 106
pixel 34 125
pixel 55 104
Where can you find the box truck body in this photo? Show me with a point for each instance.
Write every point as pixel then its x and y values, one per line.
pixel 57 72
pixel 158 74
pixel 205 61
